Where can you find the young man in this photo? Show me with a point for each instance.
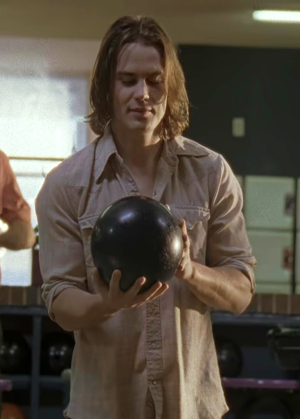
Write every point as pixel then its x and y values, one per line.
pixel 151 355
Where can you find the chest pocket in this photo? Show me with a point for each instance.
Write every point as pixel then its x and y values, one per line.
pixel 197 223
pixel 196 220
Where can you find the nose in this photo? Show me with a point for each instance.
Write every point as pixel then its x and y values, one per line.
pixel 142 90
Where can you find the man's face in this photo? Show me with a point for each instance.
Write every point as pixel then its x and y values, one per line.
pixel 139 95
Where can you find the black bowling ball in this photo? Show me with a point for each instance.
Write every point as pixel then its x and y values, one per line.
pixel 284 346
pixel 57 351
pixel 265 406
pixel 140 237
pixel 229 358
pixel 14 353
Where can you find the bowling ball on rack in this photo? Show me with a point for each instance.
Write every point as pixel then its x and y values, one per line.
pixel 229 357
pixel 140 237
pixel 14 353
pixel 266 406
pixel 56 352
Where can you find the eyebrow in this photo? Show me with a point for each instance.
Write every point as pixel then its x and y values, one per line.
pixel 130 74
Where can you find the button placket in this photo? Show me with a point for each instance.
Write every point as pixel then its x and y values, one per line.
pixel 154 353
pixel 164 174
pixel 128 182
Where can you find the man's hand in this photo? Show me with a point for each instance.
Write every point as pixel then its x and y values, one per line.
pixel 186 268
pixel 115 299
pixel 224 287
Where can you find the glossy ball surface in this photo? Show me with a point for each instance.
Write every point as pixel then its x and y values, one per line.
pixel 140 237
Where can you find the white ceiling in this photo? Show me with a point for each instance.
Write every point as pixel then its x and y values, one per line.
pixel 208 22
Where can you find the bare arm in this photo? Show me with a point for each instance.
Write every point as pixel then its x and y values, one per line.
pixel 15 211
pixel 227 282
pixel 74 309
pixel 222 288
pixel 20 235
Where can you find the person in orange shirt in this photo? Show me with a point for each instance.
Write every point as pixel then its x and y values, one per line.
pixel 14 211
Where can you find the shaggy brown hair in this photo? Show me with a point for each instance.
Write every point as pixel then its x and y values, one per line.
pixel 145 30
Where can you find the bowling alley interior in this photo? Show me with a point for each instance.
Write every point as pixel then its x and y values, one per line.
pixel 241 62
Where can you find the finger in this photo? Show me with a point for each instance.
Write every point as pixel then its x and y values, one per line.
pixel 158 293
pixel 149 293
pixel 114 286
pixel 97 285
pixel 96 275
pixel 135 288
pixel 185 238
pixel 97 280
pixel 181 267
pixel 184 228
pixel 138 302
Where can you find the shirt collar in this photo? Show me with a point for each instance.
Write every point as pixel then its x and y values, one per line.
pixel 179 146
pixel 105 148
pixel 182 146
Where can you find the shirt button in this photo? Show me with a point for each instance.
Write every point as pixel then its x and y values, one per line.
pixel 154 382
pixel 154 193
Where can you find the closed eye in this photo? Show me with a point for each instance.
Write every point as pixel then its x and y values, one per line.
pixel 129 82
pixel 132 81
pixel 154 82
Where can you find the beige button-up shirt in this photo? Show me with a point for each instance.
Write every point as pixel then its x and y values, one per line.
pixel 157 360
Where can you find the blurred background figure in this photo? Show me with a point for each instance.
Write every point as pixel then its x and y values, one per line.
pixel 14 211
pixel 17 232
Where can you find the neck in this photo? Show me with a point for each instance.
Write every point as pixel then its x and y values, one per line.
pixel 139 150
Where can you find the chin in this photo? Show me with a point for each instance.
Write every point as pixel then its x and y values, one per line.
pixel 141 126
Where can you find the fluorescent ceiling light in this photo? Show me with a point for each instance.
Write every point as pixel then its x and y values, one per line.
pixel 277 15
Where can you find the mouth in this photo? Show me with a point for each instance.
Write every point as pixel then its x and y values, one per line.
pixel 141 111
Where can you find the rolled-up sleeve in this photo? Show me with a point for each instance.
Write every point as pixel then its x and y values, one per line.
pixel 60 245
pixel 12 204
pixel 227 240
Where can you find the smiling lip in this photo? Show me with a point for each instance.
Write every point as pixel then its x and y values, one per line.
pixel 141 110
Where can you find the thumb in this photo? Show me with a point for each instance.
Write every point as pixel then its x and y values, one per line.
pixel 96 275
pixel 96 283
